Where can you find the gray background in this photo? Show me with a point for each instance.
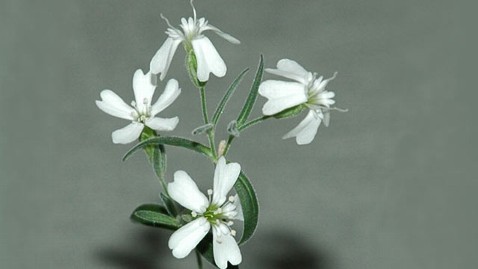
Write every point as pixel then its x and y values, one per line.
pixel 390 184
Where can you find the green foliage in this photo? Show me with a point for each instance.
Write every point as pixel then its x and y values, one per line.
pixel 172 141
pixel 250 206
pixel 227 96
pixel 251 99
pixel 155 216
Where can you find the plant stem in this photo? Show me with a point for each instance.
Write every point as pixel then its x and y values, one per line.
pixel 198 259
pixel 210 133
pixel 243 127
pixel 252 122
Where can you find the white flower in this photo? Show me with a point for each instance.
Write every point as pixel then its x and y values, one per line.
pixel 208 59
pixel 141 112
pixel 306 89
pixel 216 213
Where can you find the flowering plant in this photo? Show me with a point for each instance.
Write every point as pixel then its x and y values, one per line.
pixel 205 223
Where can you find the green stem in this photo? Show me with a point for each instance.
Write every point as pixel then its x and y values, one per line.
pixel 243 127
pixel 252 122
pixel 210 133
pixel 198 259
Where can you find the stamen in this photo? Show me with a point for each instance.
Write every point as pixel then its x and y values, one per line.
pixel 209 192
pixel 194 214
pixel 230 223
pixel 133 103
pixel 194 10
pixel 233 232
pixel 333 76
pixel 232 198
pixel 167 21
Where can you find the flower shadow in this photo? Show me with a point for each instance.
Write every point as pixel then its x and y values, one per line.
pixel 144 252
pixel 286 250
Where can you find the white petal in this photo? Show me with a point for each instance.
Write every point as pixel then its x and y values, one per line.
pixel 184 191
pixel 220 33
pixel 162 124
pixel 188 237
pixel 162 59
pixel 282 95
pixel 127 134
pixel 225 176
pixel 112 104
pixel 272 89
pixel 171 92
pixel 226 251
pixel 208 59
pixel 291 69
pixel 305 132
pixel 143 89
pixel 237 204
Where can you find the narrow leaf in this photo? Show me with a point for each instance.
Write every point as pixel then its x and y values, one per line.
pixel 202 129
pixel 172 141
pixel 250 206
pixel 227 96
pixel 169 204
pixel 155 216
pixel 251 99
pixel 232 128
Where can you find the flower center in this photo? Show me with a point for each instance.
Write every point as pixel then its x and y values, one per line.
pixel 220 216
pixel 142 111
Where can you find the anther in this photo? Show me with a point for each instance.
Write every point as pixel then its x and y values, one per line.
pixel 194 214
pixel 209 192
pixel 232 198
pixel 233 232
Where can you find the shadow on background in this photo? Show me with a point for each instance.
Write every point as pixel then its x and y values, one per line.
pixel 285 250
pixel 144 251
pixel 272 250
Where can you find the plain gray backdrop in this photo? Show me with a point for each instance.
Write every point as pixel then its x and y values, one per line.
pixel 390 184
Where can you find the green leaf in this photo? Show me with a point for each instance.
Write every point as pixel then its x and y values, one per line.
pixel 251 99
pixel 232 129
pixel 227 96
pixel 250 206
pixel 169 204
pixel 155 216
pixel 172 141
pixel 203 129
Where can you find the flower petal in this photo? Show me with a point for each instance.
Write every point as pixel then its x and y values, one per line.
pixel 208 59
pixel 127 134
pixel 186 238
pixel 171 92
pixel 225 176
pixel 143 89
pixel 225 249
pixel 292 70
pixel 112 104
pixel 220 33
pixel 237 204
pixel 162 124
pixel 305 132
pixel 184 191
pixel 162 59
pixel 282 95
